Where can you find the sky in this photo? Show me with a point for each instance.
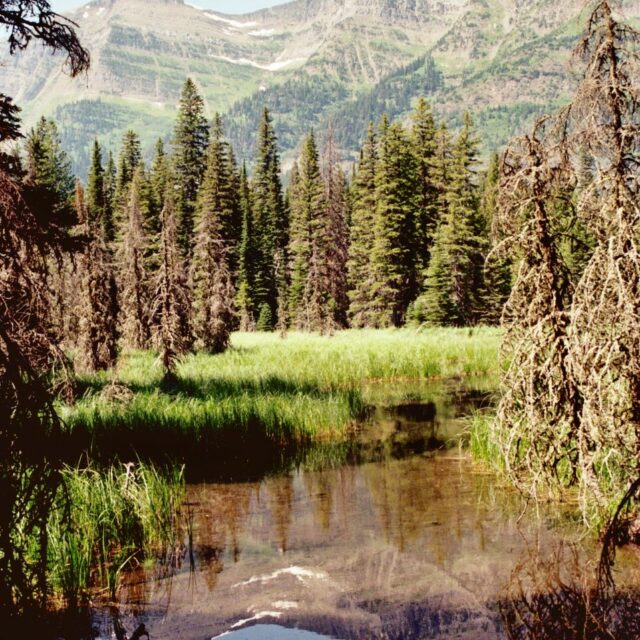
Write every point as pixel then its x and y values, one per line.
pixel 225 6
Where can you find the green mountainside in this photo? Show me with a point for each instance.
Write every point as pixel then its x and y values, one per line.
pixel 313 62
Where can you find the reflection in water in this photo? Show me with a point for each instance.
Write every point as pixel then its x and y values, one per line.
pixel 382 537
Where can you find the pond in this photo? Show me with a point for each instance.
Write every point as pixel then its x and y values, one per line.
pixel 395 534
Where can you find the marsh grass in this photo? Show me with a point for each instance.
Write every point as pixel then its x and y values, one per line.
pixel 108 520
pixel 264 393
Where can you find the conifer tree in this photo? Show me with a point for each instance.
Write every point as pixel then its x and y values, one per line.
pixel 424 145
pixel 497 270
pixel 337 234
pixel 246 256
pixel 129 160
pixel 307 208
pixel 159 178
pixel 363 200
pixel 213 292
pixel 48 172
pixel 134 277
pixel 234 226
pixel 96 189
pixel 189 144
pixel 270 225
pixel 454 276
pixel 110 180
pixel 393 258
pixel 172 300
pixel 98 308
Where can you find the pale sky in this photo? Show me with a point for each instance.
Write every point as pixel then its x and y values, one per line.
pixel 225 6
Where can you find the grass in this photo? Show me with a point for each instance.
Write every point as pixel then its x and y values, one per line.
pixel 109 520
pixel 264 392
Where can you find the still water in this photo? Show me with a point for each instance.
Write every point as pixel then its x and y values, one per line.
pixel 395 535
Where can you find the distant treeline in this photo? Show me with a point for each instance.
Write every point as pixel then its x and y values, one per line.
pixel 187 249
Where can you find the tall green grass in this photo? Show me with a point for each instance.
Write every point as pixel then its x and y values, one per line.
pixel 263 390
pixel 108 520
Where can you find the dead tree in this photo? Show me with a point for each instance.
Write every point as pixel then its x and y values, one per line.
pixel 172 302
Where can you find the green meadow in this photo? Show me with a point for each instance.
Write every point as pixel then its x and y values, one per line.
pixel 264 389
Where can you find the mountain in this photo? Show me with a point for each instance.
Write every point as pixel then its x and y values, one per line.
pixel 310 61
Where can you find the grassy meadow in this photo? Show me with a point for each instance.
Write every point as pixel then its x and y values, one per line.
pixel 264 389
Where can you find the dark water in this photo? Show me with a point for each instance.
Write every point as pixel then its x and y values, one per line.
pixel 395 535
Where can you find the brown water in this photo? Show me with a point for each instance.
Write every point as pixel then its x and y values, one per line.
pixel 398 535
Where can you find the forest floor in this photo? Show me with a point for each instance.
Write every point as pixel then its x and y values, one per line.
pixel 298 389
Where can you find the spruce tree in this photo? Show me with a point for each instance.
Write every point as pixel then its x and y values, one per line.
pixel 337 234
pixel 159 179
pixel 270 224
pixel 307 208
pixel 110 181
pixel 95 188
pixel 455 273
pixel 98 306
pixel 134 277
pixel 49 176
pixel 190 138
pixel 213 292
pixel 393 258
pixel 172 300
pixel 423 139
pixel 363 199
pixel 497 269
pixel 129 160
pixel 246 256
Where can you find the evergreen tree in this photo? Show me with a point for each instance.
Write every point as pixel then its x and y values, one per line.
pixel 393 258
pixel 129 161
pixel 363 199
pixel 49 175
pixel 270 224
pixel 235 222
pixel 190 140
pixel 337 235
pixel 497 270
pixel 454 276
pixel 134 277
pixel 424 145
pixel 98 308
pixel 214 309
pixel 246 270
pixel 110 181
pixel 307 207
pixel 95 188
pixel 159 179
pixel 172 301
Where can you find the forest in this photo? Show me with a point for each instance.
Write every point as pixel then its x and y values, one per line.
pixel 175 332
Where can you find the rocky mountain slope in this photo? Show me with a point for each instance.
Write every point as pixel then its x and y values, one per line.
pixel 310 61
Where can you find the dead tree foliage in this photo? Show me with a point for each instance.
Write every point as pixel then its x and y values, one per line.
pixel 571 409
pixel 26 20
pixel 212 285
pixel 134 278
pixel 29 426
pixel 172 300
pixel 98 308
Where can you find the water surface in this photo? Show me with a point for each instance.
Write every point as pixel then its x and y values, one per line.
pixel 396 534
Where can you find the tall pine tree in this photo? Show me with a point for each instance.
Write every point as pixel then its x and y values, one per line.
pixel 423 139
pixel 172 300
pixel 270 224
pixel 213 292
pixel 134 276
pixel 393 259
pixel 363 204
pixel 455 274
pixel 307 206
pixel 190 139
pixel 246 257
